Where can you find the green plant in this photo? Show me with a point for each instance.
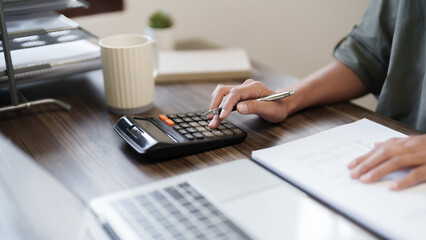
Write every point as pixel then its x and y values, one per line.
pixel 160 19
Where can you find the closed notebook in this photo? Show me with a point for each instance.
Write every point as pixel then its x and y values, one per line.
pixel 217 64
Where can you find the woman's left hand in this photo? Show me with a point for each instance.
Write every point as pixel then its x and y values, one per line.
pixel 392 155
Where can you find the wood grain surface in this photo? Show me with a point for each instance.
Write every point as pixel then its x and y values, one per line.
pixel 81 149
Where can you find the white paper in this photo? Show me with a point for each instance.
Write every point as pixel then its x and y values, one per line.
pixel 48 21
pixel 318 164
pixel 55 54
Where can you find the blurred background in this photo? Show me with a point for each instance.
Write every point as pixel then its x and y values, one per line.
pixel 294 37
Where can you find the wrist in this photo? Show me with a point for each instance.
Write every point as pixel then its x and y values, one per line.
pixel 293 103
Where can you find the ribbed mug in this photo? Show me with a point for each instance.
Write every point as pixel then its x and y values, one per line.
pixel 129 74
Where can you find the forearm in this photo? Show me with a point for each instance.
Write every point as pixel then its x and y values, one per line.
pixel 333 83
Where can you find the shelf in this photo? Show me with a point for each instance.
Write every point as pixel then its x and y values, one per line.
pixel 37 24
pixel 16 7
pixel 37 46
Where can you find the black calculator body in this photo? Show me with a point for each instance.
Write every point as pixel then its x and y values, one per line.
pixel 174 135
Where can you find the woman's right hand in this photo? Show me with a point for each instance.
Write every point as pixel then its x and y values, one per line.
pixel 244 95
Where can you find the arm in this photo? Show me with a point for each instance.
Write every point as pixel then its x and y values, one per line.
pixel 333 83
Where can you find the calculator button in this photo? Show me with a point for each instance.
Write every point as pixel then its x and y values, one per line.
pixel 199 113
pixel 191 130
pixel 177 127
pixel 185 125
pixel 163 117
pixel 177 120
pixel 221 127
pixel 194 124
pixel 228 132
pixel 169 122
pixel 201 129
pixel 237 131
pixel 183 131
pixel 181 115
pixel 197 119
pixel 229 125
pixel 203 123
pixel 218 133
pixel 135 131
pixel 172 116
pixel 187 119
pixel 189 136
pixel 198 135
pixel 190 114
pixel 208 134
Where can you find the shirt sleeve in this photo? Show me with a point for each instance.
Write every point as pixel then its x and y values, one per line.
pixel 366 50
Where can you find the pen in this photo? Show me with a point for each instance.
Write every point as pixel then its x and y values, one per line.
pixel 267 98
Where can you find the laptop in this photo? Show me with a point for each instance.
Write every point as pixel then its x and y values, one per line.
pixel 235 200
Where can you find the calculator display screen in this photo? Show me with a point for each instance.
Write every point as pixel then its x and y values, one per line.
pixel 156 133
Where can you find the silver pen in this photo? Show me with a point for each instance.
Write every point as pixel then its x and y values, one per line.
pixel 267 98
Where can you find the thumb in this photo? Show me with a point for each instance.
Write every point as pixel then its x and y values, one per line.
pixel 267 110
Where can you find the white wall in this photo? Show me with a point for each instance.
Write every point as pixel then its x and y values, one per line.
pixel 293 36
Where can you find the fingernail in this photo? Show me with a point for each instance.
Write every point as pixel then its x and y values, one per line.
pixel 242 107
pixel 354 174
pixel 366 177
pixel 212 123
pixel 394 186
pixel 351 164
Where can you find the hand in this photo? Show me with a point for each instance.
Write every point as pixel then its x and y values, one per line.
pixel 392 155
pixel 228 96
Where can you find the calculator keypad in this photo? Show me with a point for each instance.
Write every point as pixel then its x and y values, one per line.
pixel 194 127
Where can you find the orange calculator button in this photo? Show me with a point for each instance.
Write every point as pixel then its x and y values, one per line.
pixel 163 117
pixel 169 122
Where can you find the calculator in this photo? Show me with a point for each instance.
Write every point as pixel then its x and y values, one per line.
pixel 173 135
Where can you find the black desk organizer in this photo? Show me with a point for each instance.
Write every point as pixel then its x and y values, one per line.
pixel 13 75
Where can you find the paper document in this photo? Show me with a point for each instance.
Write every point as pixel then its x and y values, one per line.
pixel 47 21
pixel 55 54
pixel 318 164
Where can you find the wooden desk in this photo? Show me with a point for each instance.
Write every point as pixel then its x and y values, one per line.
pixel 81 149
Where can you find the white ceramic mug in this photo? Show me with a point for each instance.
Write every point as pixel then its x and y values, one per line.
pixel 129 74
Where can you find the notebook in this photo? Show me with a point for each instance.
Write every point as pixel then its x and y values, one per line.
pixel 217 64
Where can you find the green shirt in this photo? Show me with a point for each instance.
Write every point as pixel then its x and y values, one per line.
pixel 387 51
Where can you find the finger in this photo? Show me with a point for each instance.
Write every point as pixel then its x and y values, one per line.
pixel 222 90
pixel 395 163
pixel 382 152
pixel 219 88
pixel 214 123
pixel 378 156
pixel 361 159
pixel 248 82
pixel 248 90
pixel 415 176
pixel 218 94
pixel 270 111
pixel 377 146
pixel 231 100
